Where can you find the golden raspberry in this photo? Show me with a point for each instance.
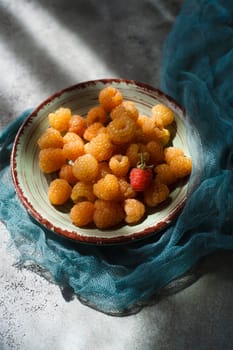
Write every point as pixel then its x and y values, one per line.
pixel 126 189
pixel 107 188
pixel 107 214
pixel 103 170
pixel 71 137
pixel 109 98
pixel 51 138
pixel 100 147
pixel 126 108
pixel 155 150
pixel 59 191
pixel 119 164
pixel 72 150
pixel 164 174
pixel 181 166
pixel 96 114
pixel 85 168
pixel 51 159
pixel 172 152
pixel 149 129
pixel 66 173
pixel 93 130
pixel 162 115
pixel 121 129
pixel 77 124
pixel 134 210
pixel 83 191
pixel 134 151
pixel 155 194
pixel 164 136
pixel 82 213
pixel 60 119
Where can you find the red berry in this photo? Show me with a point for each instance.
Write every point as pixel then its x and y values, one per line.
pixel 140 177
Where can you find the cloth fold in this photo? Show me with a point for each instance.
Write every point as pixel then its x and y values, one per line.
pixel 120 279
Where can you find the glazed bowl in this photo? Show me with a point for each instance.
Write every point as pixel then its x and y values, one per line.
pixel 32 185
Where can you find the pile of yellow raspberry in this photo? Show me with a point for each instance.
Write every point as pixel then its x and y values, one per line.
pixel 93 155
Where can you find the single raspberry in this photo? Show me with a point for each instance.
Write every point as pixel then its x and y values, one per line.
pixel 109 98
pixel 93 130
pixel 77 124
pixel 59 191
pixel 60 119
pixel 51 159
pixel 162 115
pixel 140 177
pixel 134 210
pixel 155 194
pixel 100 147
pixel 181 166
pixel 82 213
pixel 126 189
pixel 107 188
pixel 83 191
pixel 155 150
pixel 121 129
pixel 107 214
pixel 51 138
pixel 71 137
pixel 172 152
pixel 85 168
pixel 164 174
pixel 119 164
pixel 126 108
pixel 72 150
pixel 66 173
pixel 96 114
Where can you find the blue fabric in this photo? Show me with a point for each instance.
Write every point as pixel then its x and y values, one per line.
pixel 197 71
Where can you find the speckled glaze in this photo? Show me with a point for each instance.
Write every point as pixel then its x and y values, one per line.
pixel 32 185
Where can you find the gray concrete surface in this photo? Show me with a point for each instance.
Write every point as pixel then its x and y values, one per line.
pixel 46 45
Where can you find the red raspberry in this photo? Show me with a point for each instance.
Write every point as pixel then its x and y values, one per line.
pixel 140 177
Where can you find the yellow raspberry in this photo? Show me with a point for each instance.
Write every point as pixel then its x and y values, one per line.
pixel 107 214
pixel 77 124
pixel 172 152
pixel 71 137
pixel 162 115
pixel 103 170
pixel 119 164
pixel 155 150
pixel 72 150
pixel 107 188
pixel 155 194
pixel 181 166
pixel 85 168
pixel 100 147
pixel 51 138
pixel 51 159
pixel 109 98
pixel 126 108
pixel 164 174
pixel 96 114
pixel 126 189
pixel 93 130
pixel 121 129
pixel 60 119
pixel 82 213
pixel 134 151
pixel 66 173
pixel 134 210
pixel 59 191
pixel 149 129
pixel 82 191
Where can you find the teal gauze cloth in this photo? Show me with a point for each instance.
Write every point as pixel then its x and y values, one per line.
pixel 197 71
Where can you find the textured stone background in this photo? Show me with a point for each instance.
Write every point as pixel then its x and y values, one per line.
pixel 46 45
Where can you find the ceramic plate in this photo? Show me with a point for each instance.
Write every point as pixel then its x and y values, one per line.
pixel 32 185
